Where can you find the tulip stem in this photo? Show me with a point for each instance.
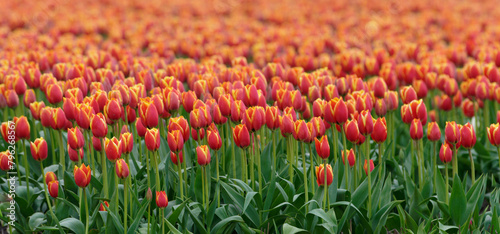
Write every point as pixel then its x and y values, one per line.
pixel 203 185
pixel 252 161
pixel 290 160
pixel 217 170
pixel 223 149
pixel 207 194
pixel 455 160
pixel 368 171
pixel 233 158
pixel 393 152
pixel 125 201
pixel 380 161
pixel 105 170
pixel 48 200
pixel 117 196
pixel 87 213
pixel 26 167
pixel 259 166
pixel 179 170
pixel 185 169
pixel 273 134
pixel 311 166
pixel 325 183
pixel 244 174
pixel 434 160
pixel 304 168
pixel 472 168
pixel 498 151
pixel 158 184
pixel 61 153
pixel 90 150
pixel 420 165
pixel 447 181
pixel 334 141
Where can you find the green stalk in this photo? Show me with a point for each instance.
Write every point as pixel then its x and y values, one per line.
pixel 420 165
pixel 206 187
pixel 326 185
pixel 185 168
pixel 223 148
pixel 217 170
pixel 48 201
pixel 233 158
pixel 368 169
pixel 154 155
pixel 334 141
pixel 179 170
pixel 117 196
pixel 311 166
pixel 252 160
pixel 498 151
pixel 473 171
pixel 105 170
pixel 380 161
pixel 244 173
pixel 259 167
pixel 393 151
pixel 447 181
pixel 273 135
pixel 161 220
pixel 304 168
pixel 455 161
pixel 90 150
pixel 87 213
pixel 434 162
pixel 356 165
pixel 61 153
pixel 26 167
pixel 125 201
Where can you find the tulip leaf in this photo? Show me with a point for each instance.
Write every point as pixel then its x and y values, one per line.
pixel 458 204
pixel 289 229
pixel 221 227
pixel 199 225
pixel 73 224
pixel 36 220
pixel 135 224
pixel 171 227
pixel 174 215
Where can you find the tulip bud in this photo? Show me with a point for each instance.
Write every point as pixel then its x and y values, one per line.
pixel 322 147
pixel 82 175
pixel 152 139
pixel 53 188
pixel 198 135
pixel 54 93
pixel 237 111
pixel 352 130
pixel 148 113
pixel 379 88
pixel 365 167
pixel 330 92
pixel 319 127
pixel 96 143
pixel 254 118
pixel 416 131
pixel 380 107
pixel 104 207
pixel 452 133
pixel 75 138
pixel 113 109
pixel 418 110
pixel 214 140
pixel 433 131
pixel 5 161
pixel 50 176
pixel 241 136
pixel 83 115
pixel 225 102
pixel 173 157
pixel 286 125
pixel 171 100
pixel 113 149
pixel 467 136
pixel 406 114
pixel 392 100
pixel 121 169
pixel 272 117
pixel 421 88
pixel 468 108
pixel 217 114
pixel 408 94
pixel 11 98
pixel 188 99
pixel 175 140
pixel 22 127
pixel 203 155
pixel 494 134
pixel 320 175
pixel 365 123
pixel 379 133
pixel 301 131
pixel 127 142
pixel 181 124
pixel 29 97
pixel 445 153
pixel 161 199
pixel 39 149
pixel 36 109
pixel 351 157
pixel 99 126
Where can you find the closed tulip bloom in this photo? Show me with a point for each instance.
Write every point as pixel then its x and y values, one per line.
pixel 300 131
pixel 322 147
pixel 148 113
pixel 198 135
pixel 468 108
pixel 408 94
pixel 433 131
pixel 467 136
pixel 54 93
pixel 406 115
pixel 99 126
pixel 365 123
pixel 197 118
pixel 73 153
pixel 452 133
pixel 141 130
pixel 250 97
pixel 203 155
pixel 175 140
pixel 113 149
pixel 217 114
pixel 152 139
pixel 330 92
pixel 286 125
pixel 336 111
pixel 36 109
pixel 96 143
pixel 39 149
pixel 50 176
pixel 241 136
pixel 320 175
pixel 58 120
pixel 75 138
pixel 272 117
pixel 5 161
pixel 352 130
pixel 380 107
pixel 365 167
pixel 416 130
pixel 214 140
pixel 174 157
pixel 254 118
pixel 351 157
pixel 121 168
pixel 11 98
pixel 379 133
pixel 445 103
pixel 319 106
pixel 421 88
pixel 29 97
pixel 104 207
pixel 127 141
pixel 319 126
pixel 418 110
pixel 53 188
pixel 181 124
pixel 22 127
pixel 171 100
pixel 5 132
pixel 188 99
pixel 161 199
pixel 69 108
pixel 379 88
pixel 113 109
pixel 225 102
pixel 296 99
pixel 82 175
pixel 84 114
pixel 392 100
pixel 494 134
pixel 237 111
pixel 445 153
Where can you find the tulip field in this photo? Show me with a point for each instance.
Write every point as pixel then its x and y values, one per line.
pixel 237 116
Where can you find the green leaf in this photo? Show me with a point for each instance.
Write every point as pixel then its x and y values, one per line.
pixel 458 204
pixel 222 225
pixel 74 225
pixel 199 225
pixel 36 220
pixel 171 227
pixel 289 229
pixel 135 224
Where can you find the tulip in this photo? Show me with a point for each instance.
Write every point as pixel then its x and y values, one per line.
pixel 171 100
pixel 433 131
pixel 418 110
pixel 446 156
pixel 50 176
pixel 113 149
pixel 241 136
pixel 379 133
pixel 104 207
pixel 380 107
pixel 39 149
pixel 214 140
pixel 5 161
pixel 54 93
pixel 161 199
pixel 82 175
pixel 121 169
pixel 203 155
pixel 197 119
pixel 188 99
pixel 319 127
pixel 254 118
pixel 175 140
pixel 286 125
pixel 408 94
pixel 272 117
pixel 36 109
pixel 301 131
pixel 416 131
pixel 75 138
pixel 322 147
pixel 53 187
pixel 365 123
pixel 468 108
pixel 11 98
pixel 99 126
pixel 148 113
pixel 352 130
pixel 452 137
pixel 468 140
pixel 29 97
pixel 127 142
pixel 351 157
pixel 198 135
pixel 22 127
pixel 237 111
pixel 152 139
pixel 379 88
pixel 181 124
pixel 225 102
pixel 320 178
pixel 392 100
pixel 493 132
pixel 498 116
pixel 365 166
pixel 336 111
pixel 113 109
pixel 219 119
pixel 175 158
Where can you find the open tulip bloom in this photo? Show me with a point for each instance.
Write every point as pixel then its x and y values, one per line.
pixel 235 117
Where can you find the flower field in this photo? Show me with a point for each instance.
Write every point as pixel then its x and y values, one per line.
pixel 239 116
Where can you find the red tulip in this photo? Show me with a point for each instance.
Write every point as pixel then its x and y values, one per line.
pixel 286 125
pixel 352 130
pixel 152 139
pixel 54 93
pixel 445 153
pixel 84 114
pixel 418 110
pixel 197 118
pixel 103 207
pixel 392 100
pixel 113 109
pixel 188 99
pixel 127 142
pixel 336 111
pixel 237 111
pixel 96 143
pixel 301 131
pixel 11 98
pixel 82 175
pixel 121 169
pixel 433 131
pixel 468 108
pixel 380 107
pixel 225 102
pixel 251 96
pixel 148 113
pixel 6 162
pixel 36 109
pixel 254 118
pixel 113 149
pixel 365 167
pixel 320 175
pixel 39 149
pixel 73 154
pixel 173 157
pixel 494 134
pixel 29 97
pixel 379 88
pixel 452 133
pixel 322 147
pixel 53 188
pixel 198 135
pixel 351 157
pixel 214 140
pixel 161 199
pixel 272 117
pixel 467 136
pixel 50 176
pixel 171 99
pixel 365 123
pixel 22 127
pixel 58 120
pixel 241 136
pixel 217 114
pixel 99 126
pixel 416 130
pixel 175 140
pixel 379 133
pixel 203 155
pixel 75 138
pixel 408 94
pixel 181 124
pixel 406 114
